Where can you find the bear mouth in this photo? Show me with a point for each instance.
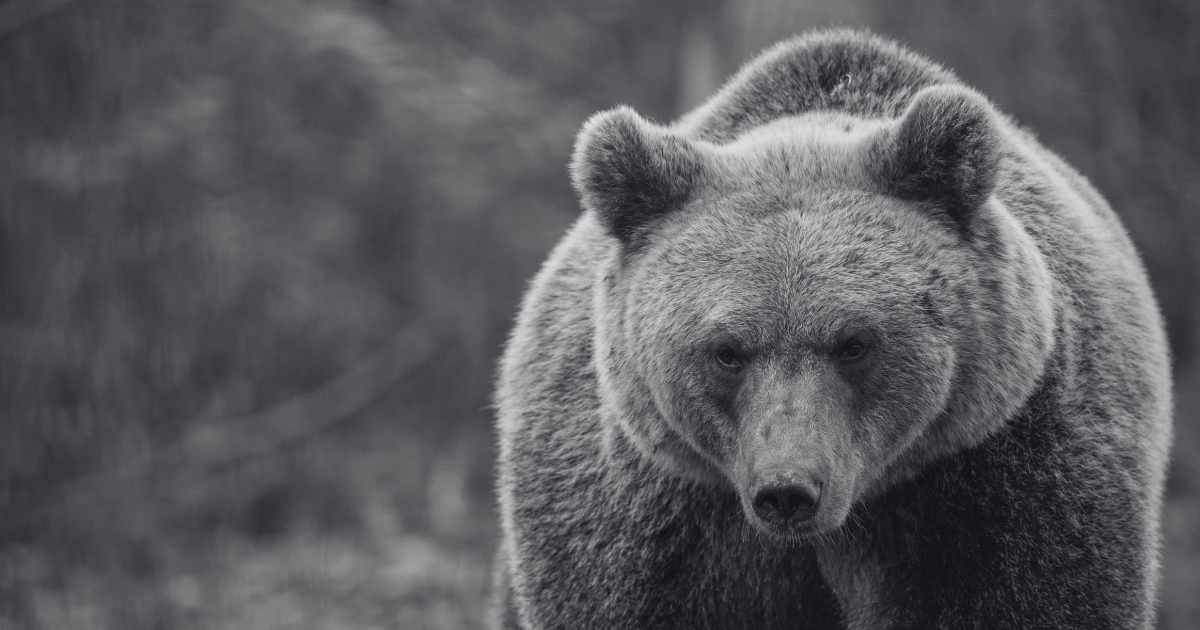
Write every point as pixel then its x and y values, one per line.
pixel 787 533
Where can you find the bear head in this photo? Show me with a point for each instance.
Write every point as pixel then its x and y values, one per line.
pixel 809 313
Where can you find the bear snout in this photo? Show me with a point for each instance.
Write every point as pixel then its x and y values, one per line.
pixel 784 500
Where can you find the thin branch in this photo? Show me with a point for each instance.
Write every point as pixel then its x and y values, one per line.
pixel 215 445
pixel 210 447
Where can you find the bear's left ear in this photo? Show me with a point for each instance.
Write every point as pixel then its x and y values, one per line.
pixel 631 172
pixel 944 150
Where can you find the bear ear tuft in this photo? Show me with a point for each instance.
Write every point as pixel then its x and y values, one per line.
pixel 944 150
pixel 631 172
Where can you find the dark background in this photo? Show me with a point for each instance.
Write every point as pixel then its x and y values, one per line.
pixel 258 258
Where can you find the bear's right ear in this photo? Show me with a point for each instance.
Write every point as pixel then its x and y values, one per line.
pixel 631 172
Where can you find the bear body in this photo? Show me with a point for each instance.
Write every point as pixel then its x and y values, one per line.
pixel 842 348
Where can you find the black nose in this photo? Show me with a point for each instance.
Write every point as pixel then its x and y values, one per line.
pixel 782 505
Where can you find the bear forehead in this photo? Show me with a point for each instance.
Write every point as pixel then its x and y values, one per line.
pixel 827 126
pixel 850 252
pixel 795 154
pixel 841 229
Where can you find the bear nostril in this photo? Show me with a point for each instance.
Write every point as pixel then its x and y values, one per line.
pixel 785 504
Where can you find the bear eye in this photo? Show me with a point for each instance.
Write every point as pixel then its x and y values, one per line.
pixel 728 358
pixel 852 350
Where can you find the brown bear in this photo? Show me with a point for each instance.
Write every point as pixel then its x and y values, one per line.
pixel 844 347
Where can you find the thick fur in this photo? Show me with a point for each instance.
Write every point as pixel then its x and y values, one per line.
pixel 992 458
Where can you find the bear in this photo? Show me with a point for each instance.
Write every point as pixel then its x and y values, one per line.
pixel 843 347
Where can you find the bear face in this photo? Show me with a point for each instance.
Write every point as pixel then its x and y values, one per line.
pixel 784 314
pixel 812 397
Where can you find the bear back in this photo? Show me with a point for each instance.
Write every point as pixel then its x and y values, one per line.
pixel 835 70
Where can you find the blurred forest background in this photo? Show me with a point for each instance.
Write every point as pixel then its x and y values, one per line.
pixel 258 259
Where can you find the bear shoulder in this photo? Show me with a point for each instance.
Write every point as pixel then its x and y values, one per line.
pixel 548 354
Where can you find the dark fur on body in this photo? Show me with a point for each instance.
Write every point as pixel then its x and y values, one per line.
pixel 1006 474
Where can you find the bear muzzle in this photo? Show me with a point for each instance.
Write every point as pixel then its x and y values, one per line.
pixel 798 488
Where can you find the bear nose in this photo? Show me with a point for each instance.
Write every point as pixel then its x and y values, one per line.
pixel 786 504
